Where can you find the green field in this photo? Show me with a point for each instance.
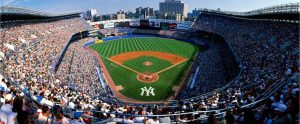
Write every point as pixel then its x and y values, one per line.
pixel 127 79
pixel 137 64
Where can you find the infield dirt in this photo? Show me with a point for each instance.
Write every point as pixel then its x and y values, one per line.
pixel 172 58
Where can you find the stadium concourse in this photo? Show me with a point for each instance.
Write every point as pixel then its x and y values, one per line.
pixel 266 90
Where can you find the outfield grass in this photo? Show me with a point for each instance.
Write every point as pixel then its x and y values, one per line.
pixel 110 48
pixel 127 79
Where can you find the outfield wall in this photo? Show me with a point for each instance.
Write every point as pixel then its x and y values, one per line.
pixel 198 42
pixel 193 41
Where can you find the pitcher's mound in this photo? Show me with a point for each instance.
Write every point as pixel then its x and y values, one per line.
pixel 147 77
pixel 147 63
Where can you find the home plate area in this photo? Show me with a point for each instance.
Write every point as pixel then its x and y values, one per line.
pixel 147 77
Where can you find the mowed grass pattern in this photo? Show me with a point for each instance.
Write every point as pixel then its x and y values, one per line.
pixel 128 79
pixel 157 64
pixel 110 48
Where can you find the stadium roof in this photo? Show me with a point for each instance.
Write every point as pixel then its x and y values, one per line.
pixel 10 13
pixel 290 12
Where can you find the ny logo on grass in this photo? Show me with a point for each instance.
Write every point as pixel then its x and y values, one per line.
pixel 148 91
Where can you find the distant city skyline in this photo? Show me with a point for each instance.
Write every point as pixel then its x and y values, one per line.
pixel 112 6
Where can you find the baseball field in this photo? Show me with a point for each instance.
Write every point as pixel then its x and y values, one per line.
pixel 146 68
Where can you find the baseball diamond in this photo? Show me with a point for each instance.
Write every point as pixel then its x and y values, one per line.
pixel 135 64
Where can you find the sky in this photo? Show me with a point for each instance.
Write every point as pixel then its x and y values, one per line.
pixel 112 6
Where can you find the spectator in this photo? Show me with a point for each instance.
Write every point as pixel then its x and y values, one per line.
pixel 19 114
pixel 6 109
pixel 58 116
pixel 128 119
pixel 249 117
pixel 44 117
pixel 280 115
pixel 229 117
pixel 3 86
pixel 77 118
pixel 165 119
pixel 140 119
pixel 212 119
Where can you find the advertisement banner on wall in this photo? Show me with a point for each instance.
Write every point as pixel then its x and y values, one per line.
pixel 135 23
pixel 117 24
pixel 152 24
pixel 109 25
pixel 144 23
pixel 96 26
pixel 172 26
pixel 123 24
pixel 157 24
pixel 101 26
pixel 183 26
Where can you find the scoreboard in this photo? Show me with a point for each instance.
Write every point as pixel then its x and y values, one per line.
pixel 164 25
pixel 144 23
pixel 172 26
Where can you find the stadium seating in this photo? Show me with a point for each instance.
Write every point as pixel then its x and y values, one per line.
pixel 267 51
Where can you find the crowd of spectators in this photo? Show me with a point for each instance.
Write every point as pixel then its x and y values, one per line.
pixel 78 67
pixel 28 51
pixel 259 74
pixel 267 52
pixel 211 72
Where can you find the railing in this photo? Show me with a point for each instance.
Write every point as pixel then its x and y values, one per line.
pixel 219 112
pixel 273 89
pixel 215 91
pixel 283 8
pixel 57 60
pixel 227 85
